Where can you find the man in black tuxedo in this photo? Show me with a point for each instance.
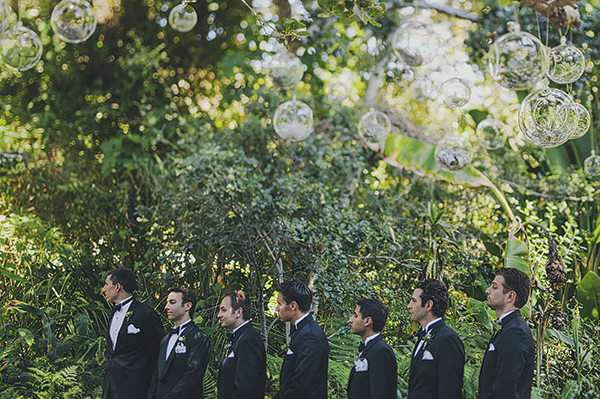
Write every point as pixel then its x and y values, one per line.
pixel 244 369
pixel 374 375
pixel 304 369
pixel 438 359
pixel 183 354
pixel 132 338
pixel 507 369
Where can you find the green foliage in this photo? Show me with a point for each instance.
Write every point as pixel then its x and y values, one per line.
pixel 588 294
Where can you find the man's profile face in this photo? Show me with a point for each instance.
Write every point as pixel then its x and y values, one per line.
pixel 110 291
pixel 174 307
pixel 357 323
pixel 226 315
pixel 415 306
pixel 496 299
pixel 284 309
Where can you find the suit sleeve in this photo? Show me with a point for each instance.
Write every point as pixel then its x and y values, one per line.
pixel 197 361
pixel 247 374
pixel 451 368
pixel 309 353
pixel 153 385
pixel 509 365
pixel 383 375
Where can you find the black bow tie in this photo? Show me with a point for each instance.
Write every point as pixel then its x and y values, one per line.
pixel 293 329
pixel 119 306
pixel 361 347
pixel 230 337
pixel 420 334
pixel 174 331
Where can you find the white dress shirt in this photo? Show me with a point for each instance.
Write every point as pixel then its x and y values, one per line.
pixel 117 321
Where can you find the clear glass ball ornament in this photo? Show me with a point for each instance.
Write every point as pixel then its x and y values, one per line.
pixel 337 92
pixel 285 69
pixel 492 133
pixel 183 18
pixel 517 60
pixel 4 15
pixel 73 20
pixel 566 63
pixel 293 120
pixel 374 126
pixel 547 117
pixel 453 153
pixel 20 48
pixel 422 90
pixel 415 43
pixel 584 122
pixel 592 164
pixel 455 92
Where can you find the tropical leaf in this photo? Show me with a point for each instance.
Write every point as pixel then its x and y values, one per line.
pixel 588 295
pixel 516 255
pixel 419 157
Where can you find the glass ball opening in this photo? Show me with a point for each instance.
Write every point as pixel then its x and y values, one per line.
pixel 293 120
pixel 517 60
pixel 374 126
pixel 73 21
pixel 415 43
pixel 183 18
pixel 566 64
pixel 285 69
pixel 453 153
pixel 20 48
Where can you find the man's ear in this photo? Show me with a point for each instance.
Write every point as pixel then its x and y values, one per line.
pixel 368 321
pixel 118 287
pixel 294 305
pixel 239 312
pixel 187 306
pixel 428 305
pixel 512 297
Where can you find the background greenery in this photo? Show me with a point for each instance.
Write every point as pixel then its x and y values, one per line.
pixel 154 150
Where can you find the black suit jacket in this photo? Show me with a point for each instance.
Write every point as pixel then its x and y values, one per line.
pixel 437 369
pixel 507 369
pixel 182 374
pixel 244 368
pixel 304 369
pixel 129 368
pixel 375 372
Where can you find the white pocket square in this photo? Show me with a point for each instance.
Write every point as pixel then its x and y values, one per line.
pixel 131 329
pixel 361 365
pixel 231 355
pixel 491 348
pixel 289 352
pixel 180 348
pixel 427 355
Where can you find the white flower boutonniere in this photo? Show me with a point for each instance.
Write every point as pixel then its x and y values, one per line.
pixel 181 339
pixel 427 339
pixel 128 314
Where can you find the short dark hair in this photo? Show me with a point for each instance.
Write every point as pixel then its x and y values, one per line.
pixel 296 291
pixel 436 292
pixel 187 295
pixel 124 277
pixel 240 300
pixel 375 309
pixel 517 281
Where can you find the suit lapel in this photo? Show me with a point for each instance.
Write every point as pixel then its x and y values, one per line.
pixel 169 360
pixel 126 320
pixel 161 356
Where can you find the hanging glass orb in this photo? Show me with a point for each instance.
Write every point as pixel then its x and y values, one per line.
pixel 455 92
pixel 415 43
pixel 73 20
pixel 584 122
pixel 20 48
pixel 374 126
pixel 285 69
pixel 517 60
pixel 4 15
pixel 293 120
pixel 566 63
pixel 592 164
pixel 492 133
pixel 337 92
pixel 547 117
pixel 422 89
pixel 453 153
pixel 183 18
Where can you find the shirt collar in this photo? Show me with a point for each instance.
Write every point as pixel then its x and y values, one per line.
pixel 183 326
pixel 300 319
pixel 502 316
pixel 240 326
pixel 370 338
pixel 432 322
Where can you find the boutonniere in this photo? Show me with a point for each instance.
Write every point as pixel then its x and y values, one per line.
pixel 427 339
pixel 128 314
pixel 496 326
pixel 181 339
